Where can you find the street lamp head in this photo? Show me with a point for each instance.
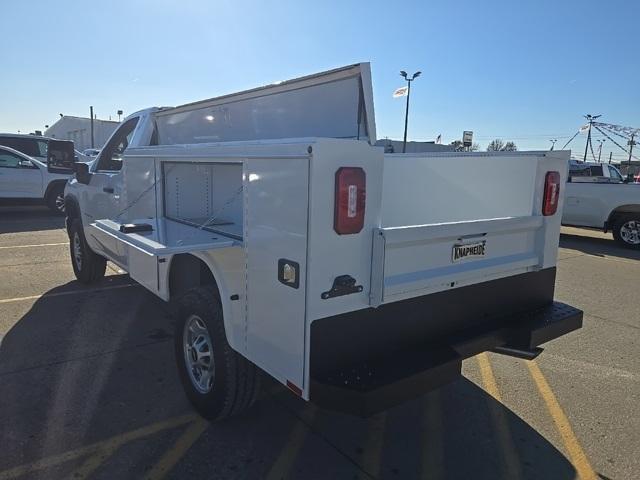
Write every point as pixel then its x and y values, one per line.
pixel 403 73
pixel 417 74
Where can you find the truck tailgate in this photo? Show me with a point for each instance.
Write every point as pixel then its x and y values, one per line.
pixel 418 260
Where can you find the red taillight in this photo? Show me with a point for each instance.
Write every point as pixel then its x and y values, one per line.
pixel 351 192
pixel 551 193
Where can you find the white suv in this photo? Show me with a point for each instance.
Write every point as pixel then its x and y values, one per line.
pixel 23 176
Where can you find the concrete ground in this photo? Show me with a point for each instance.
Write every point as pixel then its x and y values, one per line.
pixel 88 388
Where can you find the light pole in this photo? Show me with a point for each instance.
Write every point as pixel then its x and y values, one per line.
pixel 406 113
pixel 600 149
pixel 590 118
pixel 553 143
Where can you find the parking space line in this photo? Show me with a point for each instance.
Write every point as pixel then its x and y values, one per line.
pixel 71 292
pixel 432 447
pixel 511 459
pixel 33 246
pixel 281 468
pixel 92 463
pixel 103 445
pixel 177 451
pixel 372 457
pixel 576 453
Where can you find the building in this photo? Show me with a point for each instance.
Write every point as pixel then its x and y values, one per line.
pixel 78 129
pixel 395 146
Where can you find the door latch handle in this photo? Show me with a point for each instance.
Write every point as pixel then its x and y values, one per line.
pixel 107 189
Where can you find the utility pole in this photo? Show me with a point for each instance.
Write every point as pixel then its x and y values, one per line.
pixel 610 155
pixel 553 143
pixel 631 143
pixel 590 118
pixel 406 113
pixel 91 115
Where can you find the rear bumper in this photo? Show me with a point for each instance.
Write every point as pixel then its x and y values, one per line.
pixel 382 378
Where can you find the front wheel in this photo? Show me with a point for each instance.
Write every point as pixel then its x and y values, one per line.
pixel 88 266
pixel 218 381
pixel 55 199
pixel 626 231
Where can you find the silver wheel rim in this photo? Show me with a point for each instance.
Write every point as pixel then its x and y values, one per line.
pixel 198 354
pixel 630 232
pixel 77 251
pixel 60 202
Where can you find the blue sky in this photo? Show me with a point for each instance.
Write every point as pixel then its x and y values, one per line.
pixel 520 70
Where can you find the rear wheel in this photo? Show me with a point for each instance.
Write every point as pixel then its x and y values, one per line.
pixel 218 381
pixel 55 199
pixel 89 267
pixel 626 231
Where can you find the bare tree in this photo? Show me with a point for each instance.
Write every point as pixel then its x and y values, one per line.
pixel 510 147
pixel 459 147
pixel 498 145
pixel 495 145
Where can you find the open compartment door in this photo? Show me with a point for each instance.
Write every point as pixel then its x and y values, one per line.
pixel 276 247
pixel 333 104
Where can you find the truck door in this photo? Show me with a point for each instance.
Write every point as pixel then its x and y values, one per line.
pixel 19 176
pixel 102 196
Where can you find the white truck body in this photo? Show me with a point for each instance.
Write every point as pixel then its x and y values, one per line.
pixel 434 228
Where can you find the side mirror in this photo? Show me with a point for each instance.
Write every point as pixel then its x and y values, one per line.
pixel 60 157
pixel 83 175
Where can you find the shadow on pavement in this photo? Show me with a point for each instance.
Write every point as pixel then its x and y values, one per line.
pixel 15 219
pixel 458 431
pixel 597 246
pixel 81 368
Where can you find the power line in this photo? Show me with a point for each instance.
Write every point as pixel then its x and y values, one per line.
pixel 619 146
pixel 576 134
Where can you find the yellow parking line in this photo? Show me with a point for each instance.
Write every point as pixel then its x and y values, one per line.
pixel 432 448
pixel 372 457
pixel 92 463
pixel 175 453
pixel 578 457
pixel 31 246
pixel 59 294
pixel 104 445
pixel 281 468
pixel 511 460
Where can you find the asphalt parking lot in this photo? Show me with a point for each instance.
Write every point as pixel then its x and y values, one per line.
pixel 88 388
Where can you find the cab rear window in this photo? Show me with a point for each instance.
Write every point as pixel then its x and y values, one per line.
pixel 29 146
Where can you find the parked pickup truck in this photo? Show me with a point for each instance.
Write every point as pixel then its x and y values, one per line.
pixel 597 196
pixel 292 246
pixel 23 169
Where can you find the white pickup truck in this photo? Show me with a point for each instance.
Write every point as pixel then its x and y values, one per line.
pixel 24 174
pixel 292 246
pixel 597 196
